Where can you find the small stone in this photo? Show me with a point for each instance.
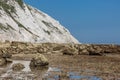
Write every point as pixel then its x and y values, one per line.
pixel 17 67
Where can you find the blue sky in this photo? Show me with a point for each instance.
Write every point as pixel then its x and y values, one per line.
pixel 90 21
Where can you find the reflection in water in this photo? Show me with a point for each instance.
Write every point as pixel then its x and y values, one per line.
pixel 73 75
pixel 39 72
pixel 28 73
pixel 9 70
pixel 51 73
pixel 54 69
pixel 25 63
pixel 58 74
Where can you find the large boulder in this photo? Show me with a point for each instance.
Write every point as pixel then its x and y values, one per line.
pixel 84 52
pixel 95 50
pixel 17 67
pixel 39 61
pixel 83 49
pixel 69 51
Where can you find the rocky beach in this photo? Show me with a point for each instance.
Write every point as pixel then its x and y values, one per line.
pixel 64 61
pixel 35 46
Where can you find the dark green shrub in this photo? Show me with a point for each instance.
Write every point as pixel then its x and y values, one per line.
pixel 20 2
pixel 7 8
pixel 2 27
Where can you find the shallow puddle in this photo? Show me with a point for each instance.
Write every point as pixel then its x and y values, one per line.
pixel 8 69
pixel 26 74
pixel 55 73
pixel 25 63
pixel 77 76
pixel 51 73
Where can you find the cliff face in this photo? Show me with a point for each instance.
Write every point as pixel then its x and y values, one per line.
pixel 21 22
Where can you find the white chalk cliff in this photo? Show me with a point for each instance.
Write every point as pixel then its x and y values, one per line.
pixel 21 22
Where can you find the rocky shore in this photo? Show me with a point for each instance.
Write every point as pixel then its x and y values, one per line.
pixel 93 61
pixel 53 48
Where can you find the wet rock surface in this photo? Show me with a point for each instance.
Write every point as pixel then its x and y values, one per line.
pixel 39 61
